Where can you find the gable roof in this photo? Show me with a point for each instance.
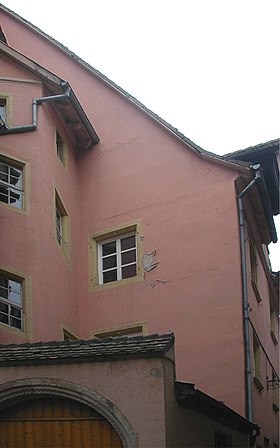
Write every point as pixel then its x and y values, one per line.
pixel 239 165
pixel 93 350
pixel 74 116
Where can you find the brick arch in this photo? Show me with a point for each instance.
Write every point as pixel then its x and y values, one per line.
pixel 18 391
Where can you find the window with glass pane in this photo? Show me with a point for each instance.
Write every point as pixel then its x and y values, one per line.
pixel 58 224
pixel 3 106
pixel 11 302
pixel 11 186
pixel 117 259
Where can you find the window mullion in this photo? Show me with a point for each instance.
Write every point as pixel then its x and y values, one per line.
pixel 119 259
pixel 100 264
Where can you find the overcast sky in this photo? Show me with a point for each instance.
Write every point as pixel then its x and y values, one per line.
pixel 209 67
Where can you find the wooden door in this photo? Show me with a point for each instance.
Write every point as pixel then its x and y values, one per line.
pixel 55 423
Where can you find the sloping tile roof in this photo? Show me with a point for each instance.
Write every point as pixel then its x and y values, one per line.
pixel 86 350
pixel 272 145
pixel 164 124
pixel 189 396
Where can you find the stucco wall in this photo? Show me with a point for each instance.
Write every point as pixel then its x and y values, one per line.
pixel 188 213
pixel 28 240
pixel 135 387
pixel 138 394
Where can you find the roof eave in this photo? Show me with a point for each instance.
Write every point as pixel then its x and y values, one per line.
pixel 187 395
pixel 54 82
pixel 168 127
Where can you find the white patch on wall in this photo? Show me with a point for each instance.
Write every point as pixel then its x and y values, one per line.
pixel 148 261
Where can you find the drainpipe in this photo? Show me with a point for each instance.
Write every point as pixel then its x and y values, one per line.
pixel 35 103
pixel 248 383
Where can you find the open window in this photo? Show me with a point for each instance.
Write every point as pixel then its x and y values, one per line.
pixel 3 109
pixel 11 301
pixel 11 182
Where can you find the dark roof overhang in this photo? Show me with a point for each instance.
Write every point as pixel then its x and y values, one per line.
pixel 189 144
pixel 266 155
pixel 259 199
pixel 190 397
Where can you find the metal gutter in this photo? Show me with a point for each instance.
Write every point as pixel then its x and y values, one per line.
pixel 165 125
pixel 245 302
pixel 265 198
pixel 80 112
pixel 67 95
pixel 35 102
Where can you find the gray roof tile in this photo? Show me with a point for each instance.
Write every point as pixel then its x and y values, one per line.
pixel 86 350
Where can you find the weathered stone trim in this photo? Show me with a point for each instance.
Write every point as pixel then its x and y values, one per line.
pixel 18 391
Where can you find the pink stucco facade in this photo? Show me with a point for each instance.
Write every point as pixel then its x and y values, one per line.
pixel 138 172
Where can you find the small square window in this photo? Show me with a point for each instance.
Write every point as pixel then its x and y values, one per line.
pixel 11 312
pixel 115 256
pixel 117 259
pixel 11 184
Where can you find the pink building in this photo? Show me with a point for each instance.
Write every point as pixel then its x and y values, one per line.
pixel 113 223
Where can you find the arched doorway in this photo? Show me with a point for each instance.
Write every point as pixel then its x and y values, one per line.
pixel 55 423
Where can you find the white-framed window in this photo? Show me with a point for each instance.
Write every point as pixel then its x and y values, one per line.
pixel 58 225
pixel 11 302
pixel 11 184
pixel 3 109
pixel 117 258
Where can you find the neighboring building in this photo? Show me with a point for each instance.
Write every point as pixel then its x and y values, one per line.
pixel 138 233
pixel 143 406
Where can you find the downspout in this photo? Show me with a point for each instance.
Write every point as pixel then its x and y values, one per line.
pixel 35 103
pixel 245 304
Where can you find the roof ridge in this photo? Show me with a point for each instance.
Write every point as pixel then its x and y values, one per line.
pixel 93 341
pixel 193 146
pixel 273 142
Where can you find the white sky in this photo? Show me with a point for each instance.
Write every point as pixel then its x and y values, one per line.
pixel 209 67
